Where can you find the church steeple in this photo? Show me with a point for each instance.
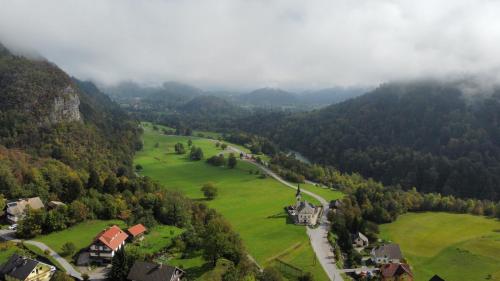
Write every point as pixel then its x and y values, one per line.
pixel 298 195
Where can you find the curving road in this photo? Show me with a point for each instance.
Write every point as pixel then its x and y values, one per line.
pixel 8 235
pixel 318 236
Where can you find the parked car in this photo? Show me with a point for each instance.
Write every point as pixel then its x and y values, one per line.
pixel 13 227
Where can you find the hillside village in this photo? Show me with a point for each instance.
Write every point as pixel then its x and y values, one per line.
pixel 381 261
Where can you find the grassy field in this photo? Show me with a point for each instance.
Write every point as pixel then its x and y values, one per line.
pixel 81 234
pixel 158 238
pixel 254 206
pixel 455 246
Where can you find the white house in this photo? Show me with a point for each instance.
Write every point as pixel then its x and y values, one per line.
pixel 360 240
pixel 107 243
pixel 16 209
pixel 389 253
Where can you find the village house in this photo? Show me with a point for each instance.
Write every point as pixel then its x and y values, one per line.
pixel 360 240
pixel 136 232
pixel 147 271
pixel 19 268
pixel 107 243
pixel 55 204
pixel 16 209
pixel 303 212
pixel 396 272
pixel 389 253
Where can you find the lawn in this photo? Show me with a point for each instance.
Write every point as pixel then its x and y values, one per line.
pixel 158 238
pixel 254 206
pixel 454 246
pixel 7 249
pixel 81 234
pixel 325 192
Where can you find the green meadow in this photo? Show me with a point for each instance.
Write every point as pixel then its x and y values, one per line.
pixel 455 246
pixel 82 234
pixel 254 206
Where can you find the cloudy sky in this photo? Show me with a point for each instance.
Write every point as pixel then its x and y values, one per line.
pixel 240 44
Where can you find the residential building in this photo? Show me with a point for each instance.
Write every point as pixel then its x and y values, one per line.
pixel 107 243
pixel 360 240
pixel 389 253
pixel 147 271
pixel 136 232
pixel 16 209
pixel 396 272
pixel 19 268
pixel 55 204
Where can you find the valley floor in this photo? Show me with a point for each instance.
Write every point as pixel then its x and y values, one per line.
pixel 457 247
pixel 254 206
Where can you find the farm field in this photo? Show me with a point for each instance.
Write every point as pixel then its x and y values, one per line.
pixel 454 246
pixel 254 206
pixel 81 234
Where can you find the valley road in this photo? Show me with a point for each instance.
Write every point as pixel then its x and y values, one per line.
pixel 318 236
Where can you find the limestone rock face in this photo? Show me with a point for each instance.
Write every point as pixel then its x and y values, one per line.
pixel 66 107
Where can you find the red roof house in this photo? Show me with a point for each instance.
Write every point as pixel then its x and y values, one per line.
pixel 137 231
pixel 396 272
pixel 107 243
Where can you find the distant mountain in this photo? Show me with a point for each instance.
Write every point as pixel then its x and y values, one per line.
pixel 209 105
pixel 268 98
pixel 168 96
pixel 329 96
pixel 427 134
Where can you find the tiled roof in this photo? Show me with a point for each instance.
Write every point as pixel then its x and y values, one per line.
pixel 390 251
pixel 136 230
pixel 395 269
pixel 146 271
pixel 18 267
pixel 112 237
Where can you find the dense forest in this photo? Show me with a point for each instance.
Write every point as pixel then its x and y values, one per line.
pixel 424 134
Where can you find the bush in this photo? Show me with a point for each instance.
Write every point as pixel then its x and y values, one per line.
pixel 209 190
pixel 68 249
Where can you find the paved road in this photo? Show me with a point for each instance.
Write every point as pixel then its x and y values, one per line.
pixel 8 235
pixel 318 236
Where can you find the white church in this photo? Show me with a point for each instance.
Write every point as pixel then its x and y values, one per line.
pixel 303 212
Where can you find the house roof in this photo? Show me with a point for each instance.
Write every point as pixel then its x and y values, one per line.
pixel 436 278
pixel 54 204
pixel 390 251
pixel 361 236
pixel 16 208
pixel 18 267
pixel 395 269
pixel 136 230
pixel 146 271
pixel 112 237
pixel 305 208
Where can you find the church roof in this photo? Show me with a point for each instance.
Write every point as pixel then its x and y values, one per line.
pixel 305 207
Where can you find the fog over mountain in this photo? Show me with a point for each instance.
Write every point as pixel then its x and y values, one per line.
pixel 245 45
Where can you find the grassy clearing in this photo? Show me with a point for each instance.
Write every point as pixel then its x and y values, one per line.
pixel 325 192
pixel 455 246
pixel 158 238
pixel 81 234
pixel 254 206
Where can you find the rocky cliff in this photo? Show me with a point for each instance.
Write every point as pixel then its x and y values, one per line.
pixel 66 107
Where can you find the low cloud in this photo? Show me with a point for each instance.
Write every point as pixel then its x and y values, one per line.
pixel 239 44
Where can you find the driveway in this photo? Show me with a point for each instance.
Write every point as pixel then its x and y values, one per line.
pixel 9 235
pixel 319 235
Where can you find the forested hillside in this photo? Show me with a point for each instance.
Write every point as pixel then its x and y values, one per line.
pixel 48 117
pixel 424 134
